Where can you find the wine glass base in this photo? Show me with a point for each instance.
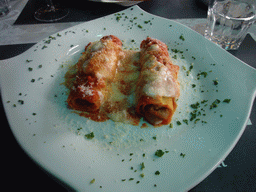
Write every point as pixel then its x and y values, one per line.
pixel 50 14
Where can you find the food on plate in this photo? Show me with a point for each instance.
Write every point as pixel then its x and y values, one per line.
pixel 158 87
pixel 109 82
pixel 96 70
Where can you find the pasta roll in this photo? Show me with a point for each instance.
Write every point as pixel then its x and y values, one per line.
pixel 158 87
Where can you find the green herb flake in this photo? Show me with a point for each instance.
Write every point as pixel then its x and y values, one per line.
pixel 215 104
pixel 142 166
pixel 182 38
pixel 159 153
pixel 92 181
pixel 21 102
pixel 48 41
pixel 118 17
pixel 178 123
pixel 182 155
pixel 196 121
pixel 171 125
pixel 157 173
pixel 215 82
pixel 195 106
pixel 90 135
pixel 174 56
pixel 226 100
pixel 28 60
pixel 32 80
pixel 185 121
pixel 154 137
pixel 142 175
pixel 140 26
pixel 51 37
pixel 131 179
pixel 202 73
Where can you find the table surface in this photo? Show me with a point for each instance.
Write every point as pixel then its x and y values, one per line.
pixel 236 173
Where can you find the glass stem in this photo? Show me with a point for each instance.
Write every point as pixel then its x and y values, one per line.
pixel 50 4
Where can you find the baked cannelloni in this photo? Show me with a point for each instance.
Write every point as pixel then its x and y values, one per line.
pixel 96 70
pixel 157 88
pixel 124 85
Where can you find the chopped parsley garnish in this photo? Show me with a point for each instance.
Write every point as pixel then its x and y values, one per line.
pixel 215 82
pixel 195 106
pixel 157 173
pixel 142 175
pixel 215 104
pixel 182 155
pixel 92 181
pixel 21 102
pixel 226 100
pixel 178 123
pixel 159 153
pixel 174 56
pixel 182 38
pixel 176 51
pixel 185 121
pixel 142 166
pixel 140 26
pixel 202 73
pixel 90 135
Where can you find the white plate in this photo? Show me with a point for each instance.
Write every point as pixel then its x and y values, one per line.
pixel 54 136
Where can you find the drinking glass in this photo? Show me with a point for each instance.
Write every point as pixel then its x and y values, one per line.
pixel 50 12
pixel 228 21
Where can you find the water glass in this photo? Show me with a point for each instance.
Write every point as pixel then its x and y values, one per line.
pixel 4 10
pixel 228 21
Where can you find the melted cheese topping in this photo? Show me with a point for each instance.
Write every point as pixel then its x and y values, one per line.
pixel 158 80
